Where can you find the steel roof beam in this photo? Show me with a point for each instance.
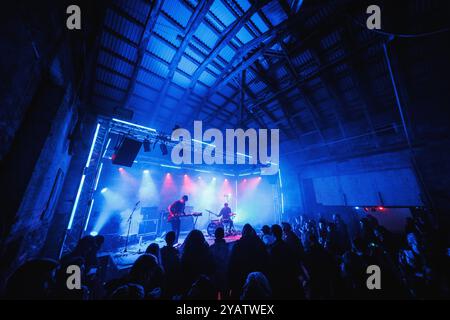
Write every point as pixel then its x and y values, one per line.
pixel 143 43
pixel 228 34
pixel 194 21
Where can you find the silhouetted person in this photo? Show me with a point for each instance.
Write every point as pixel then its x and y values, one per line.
pixel 342 236
pixel 267 236
pixel 202 289
pixel 353 270
pixel 256 287
pixel 170 261
pixel 32 280
pixel 322 270
pixel 416 267
pixel 220 253
pixel 147 273
pixel 284 272
pixel 153 248
pixel 129 291
pixel 292 240
pixel 366 230
pixel 247 255
pixel 196 259
pixel 87 248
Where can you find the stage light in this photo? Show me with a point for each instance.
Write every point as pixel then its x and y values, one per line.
pixel 89 214
pixel 204 171
pixel 185 175
pixel 214 178
pixel 381 208
pixel 244 174
pixel 146 171
pixel 259 178
pixel 83 177
pixel 169 166
pixel 229 174
pixel 226 179
pixel 106 148
pixel 133 124
pixel 98 176
pixel 104 190
pixel 94 233
pixel 121 169
pixel 356 208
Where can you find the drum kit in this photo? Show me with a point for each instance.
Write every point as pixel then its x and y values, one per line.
pixel 216 223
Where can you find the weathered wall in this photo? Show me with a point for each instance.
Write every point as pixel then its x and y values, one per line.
pixel 42 67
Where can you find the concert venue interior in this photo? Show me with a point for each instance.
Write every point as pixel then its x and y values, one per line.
pixel 351 199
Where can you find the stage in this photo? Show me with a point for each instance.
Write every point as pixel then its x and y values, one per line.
pixel 125 260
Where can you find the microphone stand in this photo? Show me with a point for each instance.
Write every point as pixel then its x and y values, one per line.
pixel 129 226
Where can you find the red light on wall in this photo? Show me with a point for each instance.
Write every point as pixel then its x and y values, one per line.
pixel 380 208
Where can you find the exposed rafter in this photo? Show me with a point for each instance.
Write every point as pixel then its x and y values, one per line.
pixel 193 23
pixel 143 43
pixel 226 37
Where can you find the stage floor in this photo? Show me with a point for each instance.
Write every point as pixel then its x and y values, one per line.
pixel 124 260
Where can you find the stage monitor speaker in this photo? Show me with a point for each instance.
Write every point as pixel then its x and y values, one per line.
pixel 126 152
pixel 149 213
pixel 186 224
pixel 148 227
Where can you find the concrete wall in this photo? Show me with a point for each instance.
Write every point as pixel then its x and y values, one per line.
pixel 385 179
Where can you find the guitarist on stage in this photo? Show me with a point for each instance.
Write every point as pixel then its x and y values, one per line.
pixel 175 210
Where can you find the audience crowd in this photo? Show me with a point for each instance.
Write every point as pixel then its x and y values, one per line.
pixel 299 260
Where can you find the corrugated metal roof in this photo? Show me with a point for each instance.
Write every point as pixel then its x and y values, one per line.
pixel 222 13
pixel 180 67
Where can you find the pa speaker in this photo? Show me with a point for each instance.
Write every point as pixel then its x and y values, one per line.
pixel 148 227
pixel 149 213
pixel 126 152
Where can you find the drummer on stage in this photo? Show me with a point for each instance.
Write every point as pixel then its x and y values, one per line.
pixel 225 213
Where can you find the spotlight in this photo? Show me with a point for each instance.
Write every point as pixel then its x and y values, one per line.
pixel 146 144
pixel 121 169
pixel 104 190
pixel 94 233
pixel 146 171
pixel 163 148
pixel 214 178
pixel 381 208
pixel 356 208
pixel 185 175
pixel 226 179
pixel 259 178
